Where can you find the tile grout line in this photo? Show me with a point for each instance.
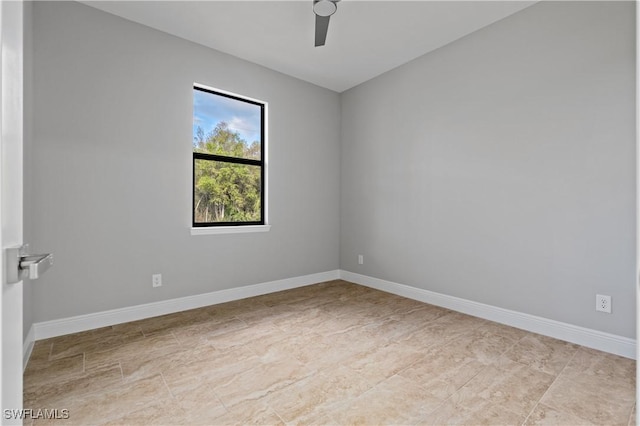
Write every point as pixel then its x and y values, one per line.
pixel 277 414
pixel 550 386
pixel 631 417
pixel 167 386
pixel 221 401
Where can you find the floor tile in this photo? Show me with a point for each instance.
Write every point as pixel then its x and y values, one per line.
pixel 40 352
pixel 245 336
pixel 388 360
pixel 545 415
pixel 593 387
pixel 248 413
pixel 260 381
pixel 202 399
pixel 171 322
pixel 211 365
pixel 419 314
pixel 166 412
pixel 314 396
pixel 440 331
pixel 98 408
pixel 268 314
pixel 543 353
pixel 146 349
pixel 145 366
pixel 476 411
pixel 51 393
pixel 602 365
pixel 306 321
pixel 481 345
pixel 196 334
pixel 442 372
pixel 56 370
pixel 513 386
pixel 326 354
pixel 96 340
pixel 389 330
pixel 394 401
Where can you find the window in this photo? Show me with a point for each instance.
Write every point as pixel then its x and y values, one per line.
pixel 228 159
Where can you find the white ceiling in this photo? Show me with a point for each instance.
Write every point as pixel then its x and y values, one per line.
pixel 365 38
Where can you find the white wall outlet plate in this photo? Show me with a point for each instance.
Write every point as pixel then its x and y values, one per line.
pixel 156 280
pixel 603 303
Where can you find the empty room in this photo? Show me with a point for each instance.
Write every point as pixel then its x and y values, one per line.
pixel 318 212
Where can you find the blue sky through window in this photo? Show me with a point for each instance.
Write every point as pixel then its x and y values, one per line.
pixel 209 109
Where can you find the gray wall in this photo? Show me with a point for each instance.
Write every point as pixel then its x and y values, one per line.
pixel 111 167
pixel 501 168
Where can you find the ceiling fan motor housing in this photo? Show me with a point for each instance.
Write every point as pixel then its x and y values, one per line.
pixel 324 7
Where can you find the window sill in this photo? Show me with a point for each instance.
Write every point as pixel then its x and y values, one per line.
pixel 230 229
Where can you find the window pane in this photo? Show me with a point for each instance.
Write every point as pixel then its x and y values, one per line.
pixel 226 192
pixel 226 126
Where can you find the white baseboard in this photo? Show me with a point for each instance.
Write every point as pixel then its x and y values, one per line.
pixel 594 339
pixel 27 347
pixel 599 340
pixel 60 327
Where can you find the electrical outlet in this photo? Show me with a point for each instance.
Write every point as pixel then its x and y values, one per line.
pixel 360 259
pixel 156 280
pixel 603 303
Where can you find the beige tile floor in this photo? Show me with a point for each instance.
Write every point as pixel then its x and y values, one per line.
pixel 331 353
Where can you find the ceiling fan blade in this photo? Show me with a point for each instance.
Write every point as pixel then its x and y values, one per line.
pixel 322 26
